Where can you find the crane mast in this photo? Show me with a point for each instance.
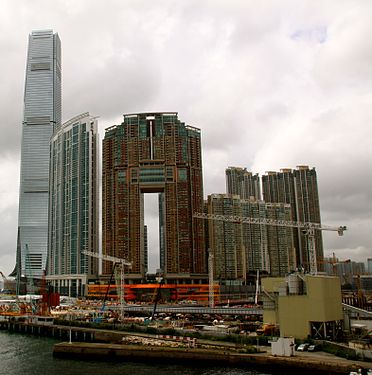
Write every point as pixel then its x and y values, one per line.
pixel 211 279
pixel 308 228
pixel 121 263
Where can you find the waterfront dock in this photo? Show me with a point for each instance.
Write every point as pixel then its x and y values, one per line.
pixel 112 345
pixel 199 356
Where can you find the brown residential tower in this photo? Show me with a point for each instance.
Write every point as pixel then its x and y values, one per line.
pixel 154 153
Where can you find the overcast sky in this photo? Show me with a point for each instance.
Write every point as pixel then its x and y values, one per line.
pixel 271 85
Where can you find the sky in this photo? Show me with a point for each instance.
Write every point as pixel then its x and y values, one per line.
pixel 271 85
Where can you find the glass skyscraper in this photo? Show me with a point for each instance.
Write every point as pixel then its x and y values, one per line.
pixel 42 116
pixel 73 206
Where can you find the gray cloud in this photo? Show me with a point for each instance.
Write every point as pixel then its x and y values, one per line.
pixel 270 84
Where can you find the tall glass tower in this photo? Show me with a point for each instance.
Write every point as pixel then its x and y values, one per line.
pixel 42 116
pixel 73 206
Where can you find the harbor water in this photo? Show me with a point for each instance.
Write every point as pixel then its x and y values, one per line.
pixel 22 354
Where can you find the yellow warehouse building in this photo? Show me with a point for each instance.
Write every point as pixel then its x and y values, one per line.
pixel 304 305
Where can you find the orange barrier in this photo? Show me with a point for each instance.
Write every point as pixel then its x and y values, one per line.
pixel 146 292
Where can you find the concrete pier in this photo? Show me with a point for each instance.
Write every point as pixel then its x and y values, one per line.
pixel 196 356
pixel 55 331
pixel 111 346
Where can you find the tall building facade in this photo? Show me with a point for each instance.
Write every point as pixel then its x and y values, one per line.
pixel 226 239
pixel 281 249
pixel 73 205
pixel 255 236
pixel 243 183
pixel 369 265
pixel 42 116
pixel 240 249
pixel 298 188
pixel 154 153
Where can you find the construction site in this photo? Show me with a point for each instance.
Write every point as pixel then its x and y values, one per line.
pixel 100 327
pixel 255 300
pixel 228 265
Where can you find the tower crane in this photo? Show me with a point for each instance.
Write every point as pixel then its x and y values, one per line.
pixel 334 262
pixel 211 279
pixel 308 228
pixel 119 262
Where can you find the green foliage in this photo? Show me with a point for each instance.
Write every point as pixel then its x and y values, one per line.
pixel 151 330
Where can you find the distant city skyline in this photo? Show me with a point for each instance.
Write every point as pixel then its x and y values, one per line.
pixel 271 85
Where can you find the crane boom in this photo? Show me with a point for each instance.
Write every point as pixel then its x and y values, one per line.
pixel 121 262
pixel 107 257
pixel 263 221
pixel 308 228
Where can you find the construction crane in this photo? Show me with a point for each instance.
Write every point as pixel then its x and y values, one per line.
pixel 120 263
pixel 308 228
pixel 334 262
pixel 211 279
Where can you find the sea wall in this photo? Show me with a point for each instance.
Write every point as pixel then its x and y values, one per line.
pixel 194 356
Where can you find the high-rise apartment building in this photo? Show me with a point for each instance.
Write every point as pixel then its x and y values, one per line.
pixel 369 266
pixel 73 205
pixel 281 250
pixel 42 115
pixel 243 183
pixel 226 239
pixel 299 188
pixel 154 153
pixel 240 249
pixel 255 237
